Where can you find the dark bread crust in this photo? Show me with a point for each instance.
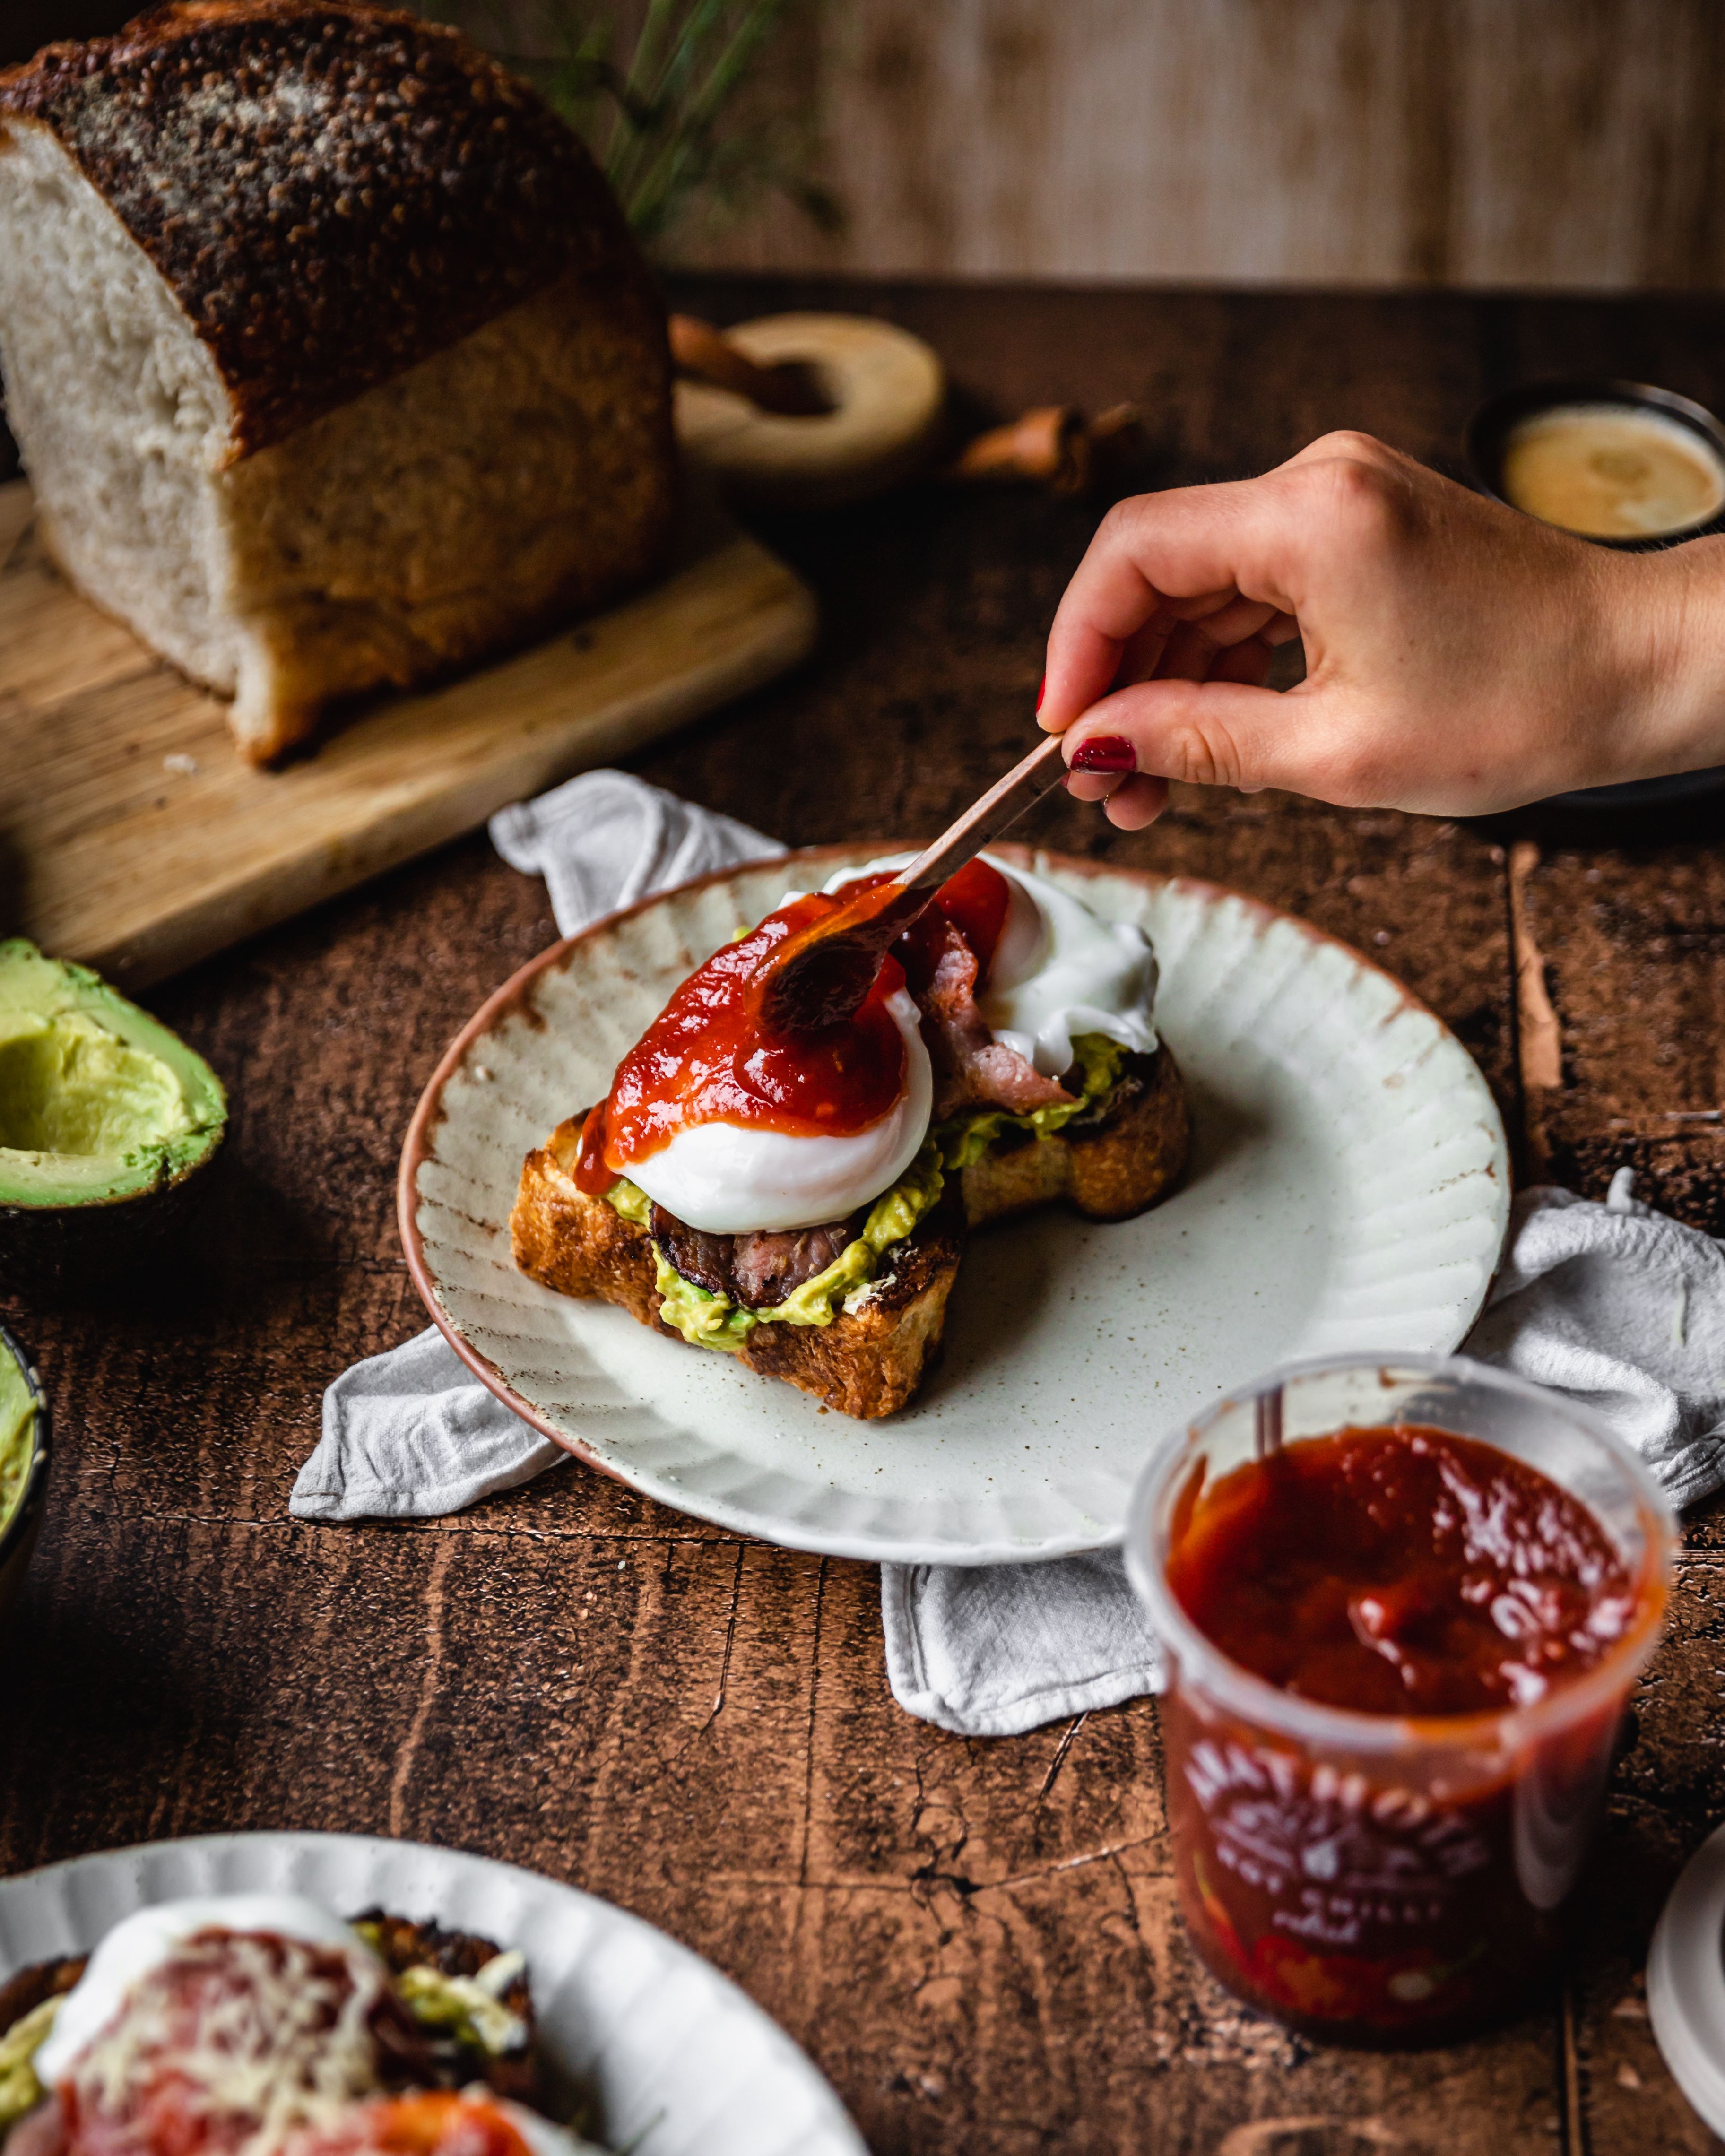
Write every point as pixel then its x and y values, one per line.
pixel 23 1993
pixel 867 1362
pixel 333 191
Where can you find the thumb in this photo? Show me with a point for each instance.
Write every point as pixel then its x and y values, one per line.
pixel 1225 734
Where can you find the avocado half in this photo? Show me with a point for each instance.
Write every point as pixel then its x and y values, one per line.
pixel 106 1121
pixel 23 1466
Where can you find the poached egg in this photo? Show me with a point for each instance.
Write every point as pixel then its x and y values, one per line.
pixel 1058 970
pixel 735 1179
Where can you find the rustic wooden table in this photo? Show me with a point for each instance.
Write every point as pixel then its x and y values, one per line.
pixel 976 1941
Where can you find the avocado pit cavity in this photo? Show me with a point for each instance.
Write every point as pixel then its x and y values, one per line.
pixel 100 1103
pixel 68 1086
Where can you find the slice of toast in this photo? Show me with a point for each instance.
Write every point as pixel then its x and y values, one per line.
pixel 867 1362
pixel 1109 1163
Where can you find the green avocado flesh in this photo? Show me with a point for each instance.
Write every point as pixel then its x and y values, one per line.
pixel 20 2092
pixel 706 1320
pixel 17 1435
pixel 98 1100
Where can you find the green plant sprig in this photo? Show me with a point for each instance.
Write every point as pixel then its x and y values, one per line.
pixel 660 121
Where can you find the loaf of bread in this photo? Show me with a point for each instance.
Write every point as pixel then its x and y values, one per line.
pixel 328 353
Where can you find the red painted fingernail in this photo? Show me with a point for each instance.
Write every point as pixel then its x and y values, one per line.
pixel 1108 752
pixel 1041 691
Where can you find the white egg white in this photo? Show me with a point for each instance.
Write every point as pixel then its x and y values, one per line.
pixel 731 1179
pixel 1058 970
pixel 141 1941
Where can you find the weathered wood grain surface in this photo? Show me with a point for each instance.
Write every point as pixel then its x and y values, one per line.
pixel 1556 143
pixel 977 1941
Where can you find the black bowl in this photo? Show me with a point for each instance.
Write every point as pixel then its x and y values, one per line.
pixel 1488 432
pixel 17 1537
pixel 1483 442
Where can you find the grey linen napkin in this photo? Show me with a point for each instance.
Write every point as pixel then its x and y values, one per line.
pixel 1613 1304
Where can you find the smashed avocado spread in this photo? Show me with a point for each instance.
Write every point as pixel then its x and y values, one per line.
pixel 706 1320
pixel 468 2010
pixel 97 1099
pixel 20 2092
pixel 1097 1060
pixel 17 1435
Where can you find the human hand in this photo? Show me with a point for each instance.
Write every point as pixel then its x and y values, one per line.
pixel 1460 657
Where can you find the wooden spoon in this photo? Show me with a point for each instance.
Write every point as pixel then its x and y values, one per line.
pixel 881 420
pixel 705 354
pixel 820 975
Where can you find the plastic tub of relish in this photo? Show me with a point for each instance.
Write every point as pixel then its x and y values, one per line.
pixel 1403 1599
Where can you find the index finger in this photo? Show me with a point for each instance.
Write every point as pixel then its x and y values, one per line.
pixel 1158 558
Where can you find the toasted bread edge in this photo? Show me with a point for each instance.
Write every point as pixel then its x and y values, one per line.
pixel 869 1361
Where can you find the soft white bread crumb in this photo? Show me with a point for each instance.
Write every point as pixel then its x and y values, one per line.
pixel 118 408
pixel 521 474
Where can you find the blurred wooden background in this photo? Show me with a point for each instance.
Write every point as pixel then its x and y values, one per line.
pixel 1531 143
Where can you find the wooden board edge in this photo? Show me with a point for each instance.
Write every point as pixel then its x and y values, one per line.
pixel 218 921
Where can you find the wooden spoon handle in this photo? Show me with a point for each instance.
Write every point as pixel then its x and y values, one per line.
pixel 707 354
pixel 1005 800
pixel 820 975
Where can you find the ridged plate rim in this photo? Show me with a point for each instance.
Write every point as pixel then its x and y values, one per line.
pixel 846 1538
pixel 656 2081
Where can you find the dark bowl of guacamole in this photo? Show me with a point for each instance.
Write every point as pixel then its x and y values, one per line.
pixel 23 1466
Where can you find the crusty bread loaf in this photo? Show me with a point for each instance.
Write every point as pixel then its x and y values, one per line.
pixel 869 1361
pixel 329 355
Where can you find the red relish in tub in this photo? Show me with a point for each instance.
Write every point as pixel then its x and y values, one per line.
pixel 1388 1746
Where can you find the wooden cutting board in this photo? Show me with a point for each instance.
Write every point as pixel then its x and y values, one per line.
pixel 133 837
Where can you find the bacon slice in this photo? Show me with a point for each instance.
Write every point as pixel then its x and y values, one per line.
pixel 702 1259
pixel 972 1069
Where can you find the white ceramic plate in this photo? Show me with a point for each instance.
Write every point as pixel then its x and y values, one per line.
pixel 1685 1981
pixel 682 2063
pixel 1348 1190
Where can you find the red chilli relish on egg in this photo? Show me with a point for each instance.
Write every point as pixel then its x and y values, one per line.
pixel 710 1056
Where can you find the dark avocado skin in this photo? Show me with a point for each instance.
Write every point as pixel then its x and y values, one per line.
pixel 55 1250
